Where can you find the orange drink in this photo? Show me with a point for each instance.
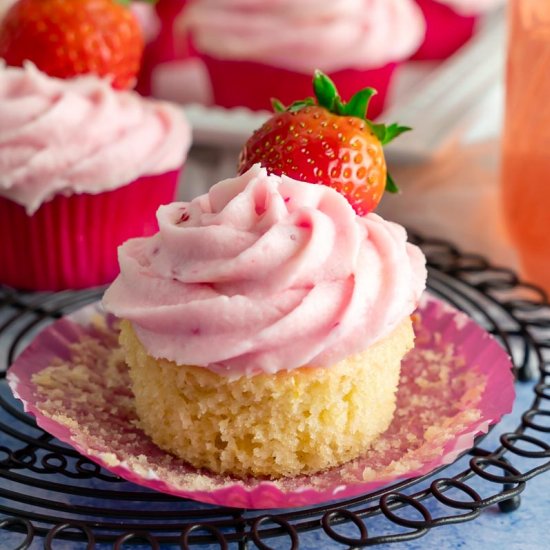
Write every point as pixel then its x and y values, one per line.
pixel 526 139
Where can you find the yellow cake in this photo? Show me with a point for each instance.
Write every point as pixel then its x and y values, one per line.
pixel 294 422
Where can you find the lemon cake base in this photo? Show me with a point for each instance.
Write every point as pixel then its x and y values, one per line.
pixel 294 422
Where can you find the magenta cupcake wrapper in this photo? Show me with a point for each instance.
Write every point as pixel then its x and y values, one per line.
pixel 250 84
pixel 71 241
pixel 454 385
pixel 446 31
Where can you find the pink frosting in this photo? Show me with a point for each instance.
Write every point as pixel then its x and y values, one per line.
pixel 307 34
pixel 80 136
pixel 472 7
pixel 265 273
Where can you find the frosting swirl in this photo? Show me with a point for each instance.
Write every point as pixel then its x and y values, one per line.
pixel 80 136
pixel 306 35
pixel 265 273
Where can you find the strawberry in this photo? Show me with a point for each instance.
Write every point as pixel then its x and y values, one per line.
pixel 65 38
pixel 324 140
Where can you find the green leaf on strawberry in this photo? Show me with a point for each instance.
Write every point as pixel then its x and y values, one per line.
pixel 390 185
pixel 388 133
pixel 325 90
pixel 277 106
pixel 359 103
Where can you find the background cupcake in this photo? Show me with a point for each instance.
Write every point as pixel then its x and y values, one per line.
pixel 256 49
pixel 84 164
pixel 449 25
pixel 83 167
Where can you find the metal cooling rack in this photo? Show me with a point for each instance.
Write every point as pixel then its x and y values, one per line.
pixel 49 493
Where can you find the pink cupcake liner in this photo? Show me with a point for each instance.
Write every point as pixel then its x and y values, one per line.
pixel 71 241
pixel 250 84
pixel 454 385
pixel 446 31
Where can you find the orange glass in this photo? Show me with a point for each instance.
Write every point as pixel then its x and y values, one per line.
pixel 526 139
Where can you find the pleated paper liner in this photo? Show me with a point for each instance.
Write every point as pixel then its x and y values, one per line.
pixel 252 84
pixel 71 241
pixel 454 385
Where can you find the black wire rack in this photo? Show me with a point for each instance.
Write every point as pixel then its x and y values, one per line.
pixel 49 493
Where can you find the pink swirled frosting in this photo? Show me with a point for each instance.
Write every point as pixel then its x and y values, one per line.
pixel 307 34
pixel 264 274
pixel 472 7
pixel 80 136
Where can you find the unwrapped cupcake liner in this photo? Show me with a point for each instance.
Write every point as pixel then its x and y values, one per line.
pixel 251 84
pixel 71 241
pixel 446 31
pixel 454 385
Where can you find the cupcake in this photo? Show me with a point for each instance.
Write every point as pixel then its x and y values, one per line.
pixel 264 326
pixel 84 163
pixel 449 25
pixel 255 50
pixel 83 167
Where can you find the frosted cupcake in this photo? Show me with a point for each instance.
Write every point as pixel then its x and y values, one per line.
pixel 256 49
pixel 449 25
pixel 83 167
pixel 264 326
